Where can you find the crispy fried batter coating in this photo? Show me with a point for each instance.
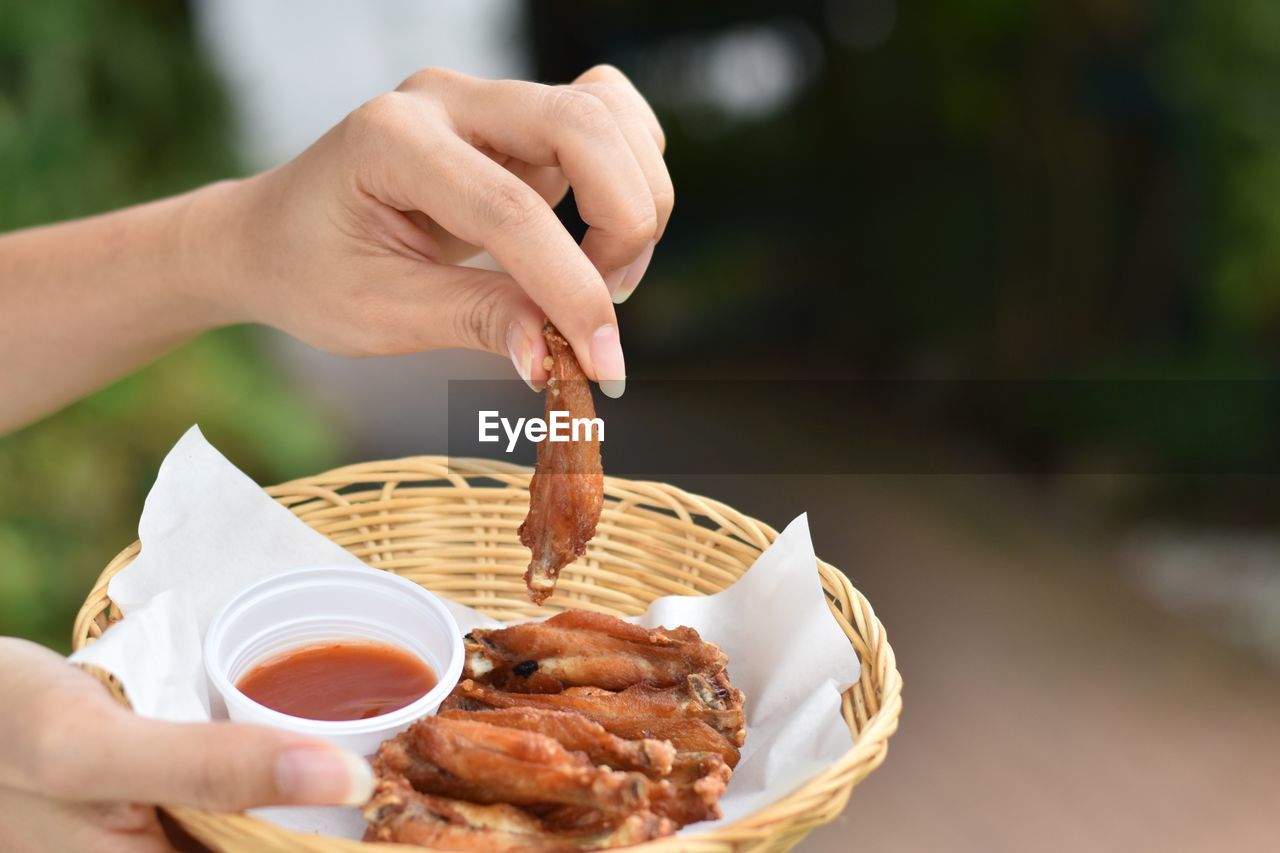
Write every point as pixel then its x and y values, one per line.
pixel 398 813
pixel 692 792
pixel 576 733
pixel 712 700
pixel 577 648
pixel 484 763
pixel 704 756
pixel 566 493
pixel 688 737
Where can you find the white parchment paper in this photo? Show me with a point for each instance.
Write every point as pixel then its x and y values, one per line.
pixel 207 530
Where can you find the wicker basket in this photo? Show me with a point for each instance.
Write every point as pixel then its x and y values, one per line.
pixel 450 525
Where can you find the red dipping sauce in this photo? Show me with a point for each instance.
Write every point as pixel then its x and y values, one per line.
pixel 339 681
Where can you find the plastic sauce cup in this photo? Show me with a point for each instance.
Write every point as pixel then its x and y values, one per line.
pixel 331 604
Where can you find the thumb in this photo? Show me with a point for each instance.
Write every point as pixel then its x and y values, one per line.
pixel 216 766
pixel 462 307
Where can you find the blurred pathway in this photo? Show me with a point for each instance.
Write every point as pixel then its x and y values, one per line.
pixel 1046 708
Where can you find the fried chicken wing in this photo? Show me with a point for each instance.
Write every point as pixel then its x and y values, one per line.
pixel 484 763
pixel 578 734
pixel 689 795
pixel 712 700
pixel 566 493
pixel 577 648
pixel 687 737
pixel 572 819
pixel 398 813
pixel 692 792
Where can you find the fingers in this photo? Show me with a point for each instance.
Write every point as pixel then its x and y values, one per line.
pixel 216 766
pixel 640 127
pixel 484 204
pixel 30 822
pixel 440 307
pixel 609 77
pixel 603 137
pixel 487 160
pixel 70 741
pixel 575 130
pixel 547 181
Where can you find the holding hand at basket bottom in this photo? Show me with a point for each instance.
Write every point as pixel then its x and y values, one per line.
pixel 80 772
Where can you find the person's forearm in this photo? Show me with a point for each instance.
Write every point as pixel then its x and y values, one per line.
pixel 83 303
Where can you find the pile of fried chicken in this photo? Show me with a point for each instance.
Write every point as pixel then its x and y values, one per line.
pixel 581 732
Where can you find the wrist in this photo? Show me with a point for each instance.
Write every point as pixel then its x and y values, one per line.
pixel 214 248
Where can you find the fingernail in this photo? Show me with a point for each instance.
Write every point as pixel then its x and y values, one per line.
pixel 606 357
pixel 635 272
pixel 614 280
pixel 521 353
pixel 323 775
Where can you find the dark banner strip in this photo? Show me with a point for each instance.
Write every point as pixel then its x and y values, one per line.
pixel 665 427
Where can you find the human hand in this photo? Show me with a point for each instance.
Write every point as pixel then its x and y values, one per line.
pixel 79 772
pixel 352 246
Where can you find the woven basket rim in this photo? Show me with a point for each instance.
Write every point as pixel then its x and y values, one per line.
pixel 871 707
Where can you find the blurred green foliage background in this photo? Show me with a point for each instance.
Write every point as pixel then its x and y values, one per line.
pixel 959 189
pixel 104 105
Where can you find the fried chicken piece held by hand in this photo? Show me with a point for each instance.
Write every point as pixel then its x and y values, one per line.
pixel 566 493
